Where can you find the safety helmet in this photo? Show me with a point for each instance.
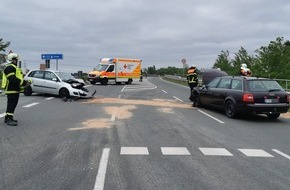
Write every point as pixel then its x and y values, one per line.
pixel 12 56
pixel 193 66
pixel 244 65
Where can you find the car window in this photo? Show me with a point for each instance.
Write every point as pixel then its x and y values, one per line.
pixel 49 75
pixel 213 83
pixel 264 85
pixel 65 76
pixel 224 83
pixel 237 84
pixel 111 68
pixel 36 74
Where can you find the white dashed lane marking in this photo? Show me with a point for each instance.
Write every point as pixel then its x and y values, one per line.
pixel 30 105
pixel 50 98
pixel 177 99
pixel 211 117
pixel 255 153
pixel 183 151
pixel 134 151
pixel 281 153
pixel 215 152
pixel 174 151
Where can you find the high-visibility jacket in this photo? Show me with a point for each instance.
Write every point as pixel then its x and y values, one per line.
pixel 192 77
pixel 12 80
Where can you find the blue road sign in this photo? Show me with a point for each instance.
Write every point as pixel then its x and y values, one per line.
pixel 51 56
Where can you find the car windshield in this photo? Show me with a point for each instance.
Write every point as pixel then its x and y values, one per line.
pixel 65 76
pixel 264 85
pixel 101 67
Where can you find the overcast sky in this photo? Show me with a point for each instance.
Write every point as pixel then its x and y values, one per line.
pixel 160 32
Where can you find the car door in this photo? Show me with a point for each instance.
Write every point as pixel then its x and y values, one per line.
pixel 206 93
pixel 221 92
pixel 51 83
pixel 37 81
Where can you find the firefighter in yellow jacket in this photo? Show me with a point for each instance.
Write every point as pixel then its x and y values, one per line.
pixel 13 84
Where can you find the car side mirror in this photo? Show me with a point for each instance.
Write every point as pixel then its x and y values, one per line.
pixel 54 79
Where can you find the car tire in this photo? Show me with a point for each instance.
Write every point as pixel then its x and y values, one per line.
pixel 129 81
pixel 273 115
pixel 104 81
pixel 93 83
pixel 27 91
pixel 64 93
pixel 230 109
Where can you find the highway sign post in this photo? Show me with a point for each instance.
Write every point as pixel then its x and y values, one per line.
pixel 55 56
pixel 183 61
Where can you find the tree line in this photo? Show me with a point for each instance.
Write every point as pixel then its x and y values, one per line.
pixel 271 61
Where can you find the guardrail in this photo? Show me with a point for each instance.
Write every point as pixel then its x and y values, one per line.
pixel 284 83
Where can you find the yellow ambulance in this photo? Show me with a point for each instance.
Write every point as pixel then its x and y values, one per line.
pixel 116 69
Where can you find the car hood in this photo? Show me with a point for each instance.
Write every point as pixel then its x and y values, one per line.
pixel 207 75
pixel 77 83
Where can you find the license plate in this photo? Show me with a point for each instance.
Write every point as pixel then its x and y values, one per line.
pixel 268 101
pixel 90 79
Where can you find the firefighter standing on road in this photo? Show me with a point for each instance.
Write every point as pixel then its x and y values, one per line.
pixel 192 81
pixel 13 84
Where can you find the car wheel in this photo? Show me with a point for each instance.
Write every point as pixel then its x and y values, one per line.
pixel 273 115
pixel 230 109
pixel 93 83
pixel 27 91
pixel 104 81
pixel 64 93
pixel 129 81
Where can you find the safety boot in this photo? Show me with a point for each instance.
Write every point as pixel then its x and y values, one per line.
pixel 11 122
pixel 5 120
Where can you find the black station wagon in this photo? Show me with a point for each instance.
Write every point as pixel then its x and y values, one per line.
pixel 239 95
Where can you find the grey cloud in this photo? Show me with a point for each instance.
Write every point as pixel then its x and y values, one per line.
pixel 160 33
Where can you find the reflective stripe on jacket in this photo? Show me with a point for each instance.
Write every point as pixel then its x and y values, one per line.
pixel 192 78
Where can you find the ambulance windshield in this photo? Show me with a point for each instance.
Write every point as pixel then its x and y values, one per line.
pixel 101 67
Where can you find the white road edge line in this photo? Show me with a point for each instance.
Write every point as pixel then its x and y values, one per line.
pixel 100 179
pixel 30 105
pixel 211 116
pixel 177 99
pixel 281 153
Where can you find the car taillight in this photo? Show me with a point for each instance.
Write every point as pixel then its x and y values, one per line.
pixel 249 98
pixel 288 98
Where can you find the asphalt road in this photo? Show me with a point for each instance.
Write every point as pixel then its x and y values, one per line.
pixel 143 136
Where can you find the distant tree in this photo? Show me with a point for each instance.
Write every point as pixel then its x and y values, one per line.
pixel 152 70
pixel 274 59
pixel 3 46
pixel 224 62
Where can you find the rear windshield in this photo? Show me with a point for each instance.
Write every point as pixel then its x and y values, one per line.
pixel 264 85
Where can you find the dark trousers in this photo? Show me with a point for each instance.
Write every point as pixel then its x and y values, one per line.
pixel 191 86
pixel 12 101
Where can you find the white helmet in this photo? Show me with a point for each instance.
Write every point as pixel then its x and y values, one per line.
pixel 244 65
pixel 12 56
pixel 193 66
